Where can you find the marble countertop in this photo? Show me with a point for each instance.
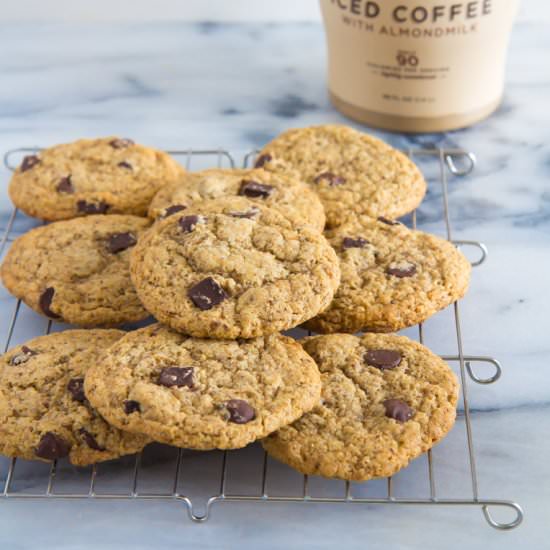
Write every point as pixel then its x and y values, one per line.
pixel 236 86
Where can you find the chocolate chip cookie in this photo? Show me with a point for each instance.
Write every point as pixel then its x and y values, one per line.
pixel 78 270
pixel 392 277
pixel 202 394
pixel 233 268
pixel 91 176
pixel 290 197
pixel 385 400
pixel 351 171
pixel 44 412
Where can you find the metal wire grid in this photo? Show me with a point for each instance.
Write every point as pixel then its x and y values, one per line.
pixel 454 161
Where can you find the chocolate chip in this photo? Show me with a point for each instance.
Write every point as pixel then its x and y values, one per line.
pixel 121 143
pixel 176 376
pixel 383 358
pixel 28 162
pixel 249 214
pixel 239 411
pixel 207 294
pixel 51 446
pixel 65 185
pixel 398 410
pixel 331 178
pixel 117 242
pixel 131 406
pixel 125 164
pixel 172 210
pixel 401 269
pixel 255 190
pixel 90 440
pixel 388 221
pixel 350 242
pixel 45 301
pixel 23 356
pixel 91 208
pixel 76 389
pixel 262 159
pixel 188 223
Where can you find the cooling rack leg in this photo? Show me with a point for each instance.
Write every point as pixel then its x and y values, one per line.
pixel 201 518
pixel 503 525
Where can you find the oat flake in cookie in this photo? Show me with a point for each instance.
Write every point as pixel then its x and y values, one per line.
pixel 233 268
pixel 91 176
pixel 351 172
pixel 44 413
pixel 199 393
pixel 289 196
pixel 78 270
pixel 392 277
pixel 385 400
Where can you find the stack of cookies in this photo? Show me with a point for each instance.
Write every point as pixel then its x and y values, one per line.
pixel 226 260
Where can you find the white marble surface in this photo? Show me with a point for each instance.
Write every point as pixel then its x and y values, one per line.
pixel 236 86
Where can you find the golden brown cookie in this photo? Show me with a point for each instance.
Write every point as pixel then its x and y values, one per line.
pixel 352 172
pixel 233 268
pixel 44 413
pixel 290 197
pixel 392 277
pixel 78 270
pixel 203 394
pixel 91 176
pixel 385 400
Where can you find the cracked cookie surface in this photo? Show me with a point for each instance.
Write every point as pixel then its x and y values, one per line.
pixel 392 277
pixel 44 413
pixel 232 268
pixel 352 172
pixel 78 270
pixel 91 176
pixel 385 400
pixel 290 197
pixel 199 393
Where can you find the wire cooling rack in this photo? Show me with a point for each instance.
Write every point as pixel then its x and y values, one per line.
pixel 199 480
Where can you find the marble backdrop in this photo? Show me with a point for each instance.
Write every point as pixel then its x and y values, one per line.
pixel 208 85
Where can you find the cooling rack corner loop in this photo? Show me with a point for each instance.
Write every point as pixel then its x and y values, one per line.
pixel 505 525
pixel 17 151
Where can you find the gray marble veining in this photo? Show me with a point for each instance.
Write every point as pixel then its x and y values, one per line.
pixel 236 86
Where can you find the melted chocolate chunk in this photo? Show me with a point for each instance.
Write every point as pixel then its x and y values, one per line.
pixel 131 406
pixel 172 210
pixel 188 223
pixel 65 185
pixel 401 269
pixel 117 242
pixel 332 179
pixel 125 164
pixel 176 376
pixel 51 446
pixel 249 214
pixel 383 358
pixel 207 294
pixel 92 208
pixel 388 221
pixel 23 356
pixel 90 440
pixel 255 190
pixel 45 301
pixel 398 410
pixel 262 159
pixel 350 242
pixel 240 412
pixel 121 143
pixel 29 162
pixel 76 389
